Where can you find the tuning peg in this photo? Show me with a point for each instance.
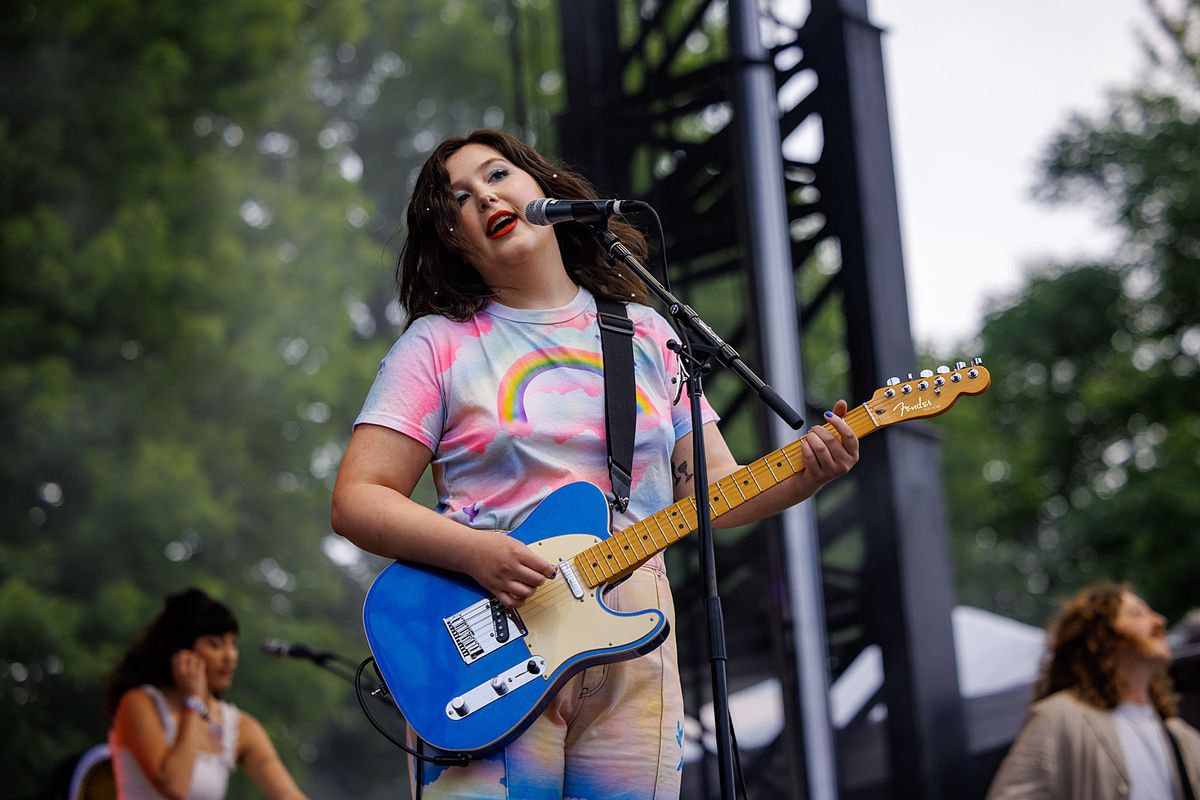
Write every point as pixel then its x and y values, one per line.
pixel 976 361
pixel 926 373
pixel 960 365
pixel 910 376
pixel 892 381
pixel 943 369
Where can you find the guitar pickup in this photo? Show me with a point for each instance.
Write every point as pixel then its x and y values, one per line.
pixel 499 620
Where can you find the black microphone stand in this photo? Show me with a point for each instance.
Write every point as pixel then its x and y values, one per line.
pixel 331 662
pixel 339 666
pixel 700 344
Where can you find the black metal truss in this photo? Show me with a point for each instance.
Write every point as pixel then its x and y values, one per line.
pixel 649 107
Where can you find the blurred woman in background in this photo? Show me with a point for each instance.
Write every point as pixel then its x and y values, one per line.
pixel 1104 724
pixel 172 735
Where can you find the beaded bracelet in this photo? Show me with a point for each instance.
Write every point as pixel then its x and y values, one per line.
pixel 197 705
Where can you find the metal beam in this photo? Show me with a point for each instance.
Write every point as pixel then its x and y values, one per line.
pixel 768 246
pixel 650 113
pixel 908 566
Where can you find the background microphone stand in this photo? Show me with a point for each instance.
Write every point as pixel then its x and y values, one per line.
pixel 331 662
pixel 700 344
pixel 344 668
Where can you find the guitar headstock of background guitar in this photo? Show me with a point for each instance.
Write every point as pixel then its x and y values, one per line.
pixel 931 393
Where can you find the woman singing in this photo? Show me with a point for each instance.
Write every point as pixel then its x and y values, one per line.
pixel 496 386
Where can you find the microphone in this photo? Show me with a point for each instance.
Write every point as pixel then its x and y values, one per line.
pixel 547 211
pixel 281 649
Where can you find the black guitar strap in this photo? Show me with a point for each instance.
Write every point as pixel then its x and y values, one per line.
pixel 620 406
pixel 1188 792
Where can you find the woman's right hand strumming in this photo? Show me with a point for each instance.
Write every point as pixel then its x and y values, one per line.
pixel 508 569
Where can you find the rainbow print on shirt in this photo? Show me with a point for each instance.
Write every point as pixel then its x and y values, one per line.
pixel 516 381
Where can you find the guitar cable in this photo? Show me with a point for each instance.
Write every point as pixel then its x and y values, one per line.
pixel 446 760
pixel 738 774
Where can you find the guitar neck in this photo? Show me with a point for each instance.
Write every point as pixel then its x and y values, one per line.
pixel 626 550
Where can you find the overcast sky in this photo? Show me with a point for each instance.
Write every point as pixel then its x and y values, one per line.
pixel 977 88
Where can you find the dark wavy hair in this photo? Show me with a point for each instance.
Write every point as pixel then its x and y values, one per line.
pixel 434 274
pixel 1082 649
pixel 185 617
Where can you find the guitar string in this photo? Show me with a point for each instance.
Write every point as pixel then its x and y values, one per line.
pixel 860 421
pixel 543 598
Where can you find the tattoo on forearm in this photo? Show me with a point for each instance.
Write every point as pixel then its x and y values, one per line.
pixel 681 473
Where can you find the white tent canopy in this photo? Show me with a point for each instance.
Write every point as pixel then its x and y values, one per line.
pixel 994 654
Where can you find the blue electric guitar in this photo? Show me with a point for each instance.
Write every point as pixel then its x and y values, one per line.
pixel 470 675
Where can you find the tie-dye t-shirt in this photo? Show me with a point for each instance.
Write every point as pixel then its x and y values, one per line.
pixel 511 403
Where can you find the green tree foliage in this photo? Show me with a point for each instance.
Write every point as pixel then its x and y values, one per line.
pixel 1081 462
pixel 429 69
pixel 174 349
pixel 195 201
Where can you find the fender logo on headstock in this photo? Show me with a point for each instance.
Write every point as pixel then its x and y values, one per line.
pixel 903 408
pixel 930 394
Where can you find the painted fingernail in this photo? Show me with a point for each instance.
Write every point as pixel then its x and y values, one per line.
pixel 828 415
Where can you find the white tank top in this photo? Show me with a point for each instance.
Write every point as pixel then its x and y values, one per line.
pixel 210 776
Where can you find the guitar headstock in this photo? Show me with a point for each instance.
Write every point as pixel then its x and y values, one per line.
pixel 928 394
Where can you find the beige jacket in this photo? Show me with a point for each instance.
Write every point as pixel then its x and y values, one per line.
pixel 1069 750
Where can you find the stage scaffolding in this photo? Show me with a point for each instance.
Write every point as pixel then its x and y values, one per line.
pixel 762 139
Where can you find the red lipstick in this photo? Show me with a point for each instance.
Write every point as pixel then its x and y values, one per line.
pixel 501 224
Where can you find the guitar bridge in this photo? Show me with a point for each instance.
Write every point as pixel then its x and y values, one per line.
pixel 483 627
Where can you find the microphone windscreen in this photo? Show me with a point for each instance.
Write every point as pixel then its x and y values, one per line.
pixel 274 647
pixel 535 211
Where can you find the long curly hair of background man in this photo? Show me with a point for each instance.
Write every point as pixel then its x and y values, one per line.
pixel 1083 644
pixel 434 274
pixel 185 617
